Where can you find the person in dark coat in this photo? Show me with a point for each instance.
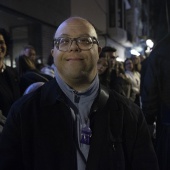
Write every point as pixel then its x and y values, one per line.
pixel 28 73
pixel 156 100
pixel 9 80
pixel 72 122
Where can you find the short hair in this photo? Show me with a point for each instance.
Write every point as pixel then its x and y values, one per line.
pixel 108 49
pixel 102 55
pixel 6 37
pixel 28 47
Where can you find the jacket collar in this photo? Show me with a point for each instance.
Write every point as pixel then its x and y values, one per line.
pixel 3 68
pixel 51 92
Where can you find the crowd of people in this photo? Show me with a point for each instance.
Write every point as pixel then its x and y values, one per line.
pixel 86 108
pixel 15 81
pixel 123 77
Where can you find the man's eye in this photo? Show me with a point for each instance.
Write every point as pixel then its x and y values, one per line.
pixel 84 41
pixel 64 41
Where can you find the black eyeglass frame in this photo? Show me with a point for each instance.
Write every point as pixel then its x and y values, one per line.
pixel 57 40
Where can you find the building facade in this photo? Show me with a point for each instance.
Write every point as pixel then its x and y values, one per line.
pixel 123 24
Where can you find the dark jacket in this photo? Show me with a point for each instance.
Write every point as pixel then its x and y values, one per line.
pixel 9 89
pixel 156 84
pixel 30 77
pixel 156 98
pixel 40 135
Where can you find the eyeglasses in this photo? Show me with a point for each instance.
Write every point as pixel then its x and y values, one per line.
pixel 84 43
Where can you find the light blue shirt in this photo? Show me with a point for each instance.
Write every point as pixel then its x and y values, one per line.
pixel 83 102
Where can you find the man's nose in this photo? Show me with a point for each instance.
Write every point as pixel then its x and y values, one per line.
pixel 74 46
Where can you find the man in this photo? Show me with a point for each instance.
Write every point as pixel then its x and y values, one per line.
pixel 156 100
pixel 111 54
pixel 30 52
pixel 70 123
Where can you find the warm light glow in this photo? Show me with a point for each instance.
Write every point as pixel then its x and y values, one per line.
pixel 134 52
pixel 149 43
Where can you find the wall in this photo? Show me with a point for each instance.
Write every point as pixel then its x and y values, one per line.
pixel 52 12
pixel 93 10
pixel 48 11
pixel 96 11
pixel 47 41
pixel 23 13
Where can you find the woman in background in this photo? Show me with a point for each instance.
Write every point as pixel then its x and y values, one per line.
pixel 134 77
pixel 103 70
pixel 9 80
pixel 28 73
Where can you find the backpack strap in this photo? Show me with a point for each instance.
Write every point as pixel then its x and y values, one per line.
pixel 102 99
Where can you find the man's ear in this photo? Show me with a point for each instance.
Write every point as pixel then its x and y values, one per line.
pixel 99 49
pixel 52 50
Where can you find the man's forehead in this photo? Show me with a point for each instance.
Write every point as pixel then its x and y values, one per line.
pixel 110 53
pixel 75 26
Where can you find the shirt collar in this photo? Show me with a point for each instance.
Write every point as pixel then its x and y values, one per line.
pixel 3 68
pixel 91 92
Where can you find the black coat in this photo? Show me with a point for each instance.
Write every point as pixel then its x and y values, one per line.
pixel 40 135
pixel 156 98
pixel 30 77
pixel 9 89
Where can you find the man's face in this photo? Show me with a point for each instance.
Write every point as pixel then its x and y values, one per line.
pixel 76 64
pixel 30 53
pixel 3 47
pixel 112 58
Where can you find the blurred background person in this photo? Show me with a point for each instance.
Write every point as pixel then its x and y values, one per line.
pixel 103 70
pixel 28 73
pixel 136 63
pixel 110 54
pixel 156 99
pixel 134 77
pixel 142 58
pixel 115 77
pixel 9 80
pixel 49 67
pixel 121 83
pixel 30 52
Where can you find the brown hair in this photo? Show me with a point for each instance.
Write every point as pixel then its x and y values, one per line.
pixel 24 64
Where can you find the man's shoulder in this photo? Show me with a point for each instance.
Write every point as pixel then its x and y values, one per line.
pixel 123 103
pixel 27 99
pixel 43 95
pixel 118 97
